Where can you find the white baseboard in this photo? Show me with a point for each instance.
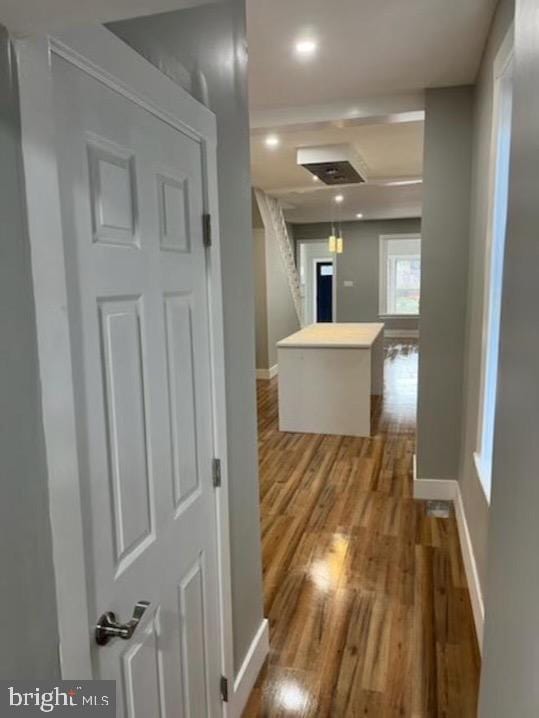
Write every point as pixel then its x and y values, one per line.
pixel 401 333
pixel 470 567
pixel 449 490
pixel 267 373
pixel 435 489
pixel 250 668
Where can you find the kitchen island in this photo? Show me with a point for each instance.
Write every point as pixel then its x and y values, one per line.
pixel 327 374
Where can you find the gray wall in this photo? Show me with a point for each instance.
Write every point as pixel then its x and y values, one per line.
pixel 204 49
pixel 29 647
pixel 444 272
pixel 282 317
pixel 360 264
pixel 261 311
pixel 275 314
pixel 511 649
pixel 475 504
pixel 261 301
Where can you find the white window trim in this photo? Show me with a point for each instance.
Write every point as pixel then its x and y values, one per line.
pixel 382 279
pixel 502 62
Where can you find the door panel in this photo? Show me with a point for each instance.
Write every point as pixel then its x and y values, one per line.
pixel 179 339
pixel 142 676
pixel 113 193
pixel 173 213
pixel 126 425
pixel 132 190
pixel 194 640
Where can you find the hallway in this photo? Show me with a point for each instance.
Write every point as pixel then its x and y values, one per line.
pixel 366 595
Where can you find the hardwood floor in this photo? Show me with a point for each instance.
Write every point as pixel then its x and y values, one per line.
pixel 366 595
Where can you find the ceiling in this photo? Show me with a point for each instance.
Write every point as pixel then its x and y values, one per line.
pixel 365 47
pixel 364 86
pixel 389 151
pixel 372 200
pixel 27 17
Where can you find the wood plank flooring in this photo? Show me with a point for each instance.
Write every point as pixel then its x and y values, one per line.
pixel 366 595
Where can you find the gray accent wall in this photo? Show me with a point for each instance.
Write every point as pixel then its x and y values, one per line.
pixel 261 299
pixel 509 685
pixel 29 647
pixel 359 263
pixel 475 503
pixel 444 275
pixel 275 313
pixel 276 316
pixel 204 50
pixel 282 317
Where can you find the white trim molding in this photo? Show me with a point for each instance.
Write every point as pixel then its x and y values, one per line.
pixel 267 373
pixel 470 568
pixel 449 490
pixel 250 668
pixel 435 489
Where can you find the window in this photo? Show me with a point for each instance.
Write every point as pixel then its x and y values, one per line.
pixel 400 273
pixel 495 246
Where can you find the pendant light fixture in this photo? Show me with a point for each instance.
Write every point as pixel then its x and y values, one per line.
pixel 335 241
pixel 332 241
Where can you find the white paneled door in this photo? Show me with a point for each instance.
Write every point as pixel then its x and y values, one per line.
pixel 132 189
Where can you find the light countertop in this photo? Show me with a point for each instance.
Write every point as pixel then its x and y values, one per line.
pixel 335 335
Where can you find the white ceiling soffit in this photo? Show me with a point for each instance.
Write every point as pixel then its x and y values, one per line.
pixel 373 201
pixel 399 107
pixel 365 47
pixel 29 17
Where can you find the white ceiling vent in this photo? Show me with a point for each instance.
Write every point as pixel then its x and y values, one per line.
pixel 333 164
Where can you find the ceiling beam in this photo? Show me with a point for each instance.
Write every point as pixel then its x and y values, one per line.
pixel 402 181
pixel 380 109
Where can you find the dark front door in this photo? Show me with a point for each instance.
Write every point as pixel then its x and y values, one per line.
pixel 324 291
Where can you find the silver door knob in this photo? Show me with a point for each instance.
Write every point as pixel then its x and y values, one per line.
pixel 108 626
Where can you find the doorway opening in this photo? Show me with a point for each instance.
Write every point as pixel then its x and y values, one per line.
pixel 317 268
pixel 323 284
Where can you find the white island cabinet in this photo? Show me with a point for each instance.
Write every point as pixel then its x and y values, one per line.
pixel 327 373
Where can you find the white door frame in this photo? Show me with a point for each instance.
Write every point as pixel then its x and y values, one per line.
pixel 98 52
pixel 308 269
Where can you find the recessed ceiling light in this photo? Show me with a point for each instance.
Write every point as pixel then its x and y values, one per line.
pixel 272 141
pixel 315 178
pixel 306 47
pixel 359 215
pixel 339 198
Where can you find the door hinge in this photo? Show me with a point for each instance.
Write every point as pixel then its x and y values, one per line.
pixel 224 689
pixel 206 229
pixel 216 472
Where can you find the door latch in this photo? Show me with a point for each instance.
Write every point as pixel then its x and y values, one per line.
pixel 108 626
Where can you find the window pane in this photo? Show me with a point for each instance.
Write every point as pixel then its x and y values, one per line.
pixel 495 277
pixel 400 275
pixel 407 282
